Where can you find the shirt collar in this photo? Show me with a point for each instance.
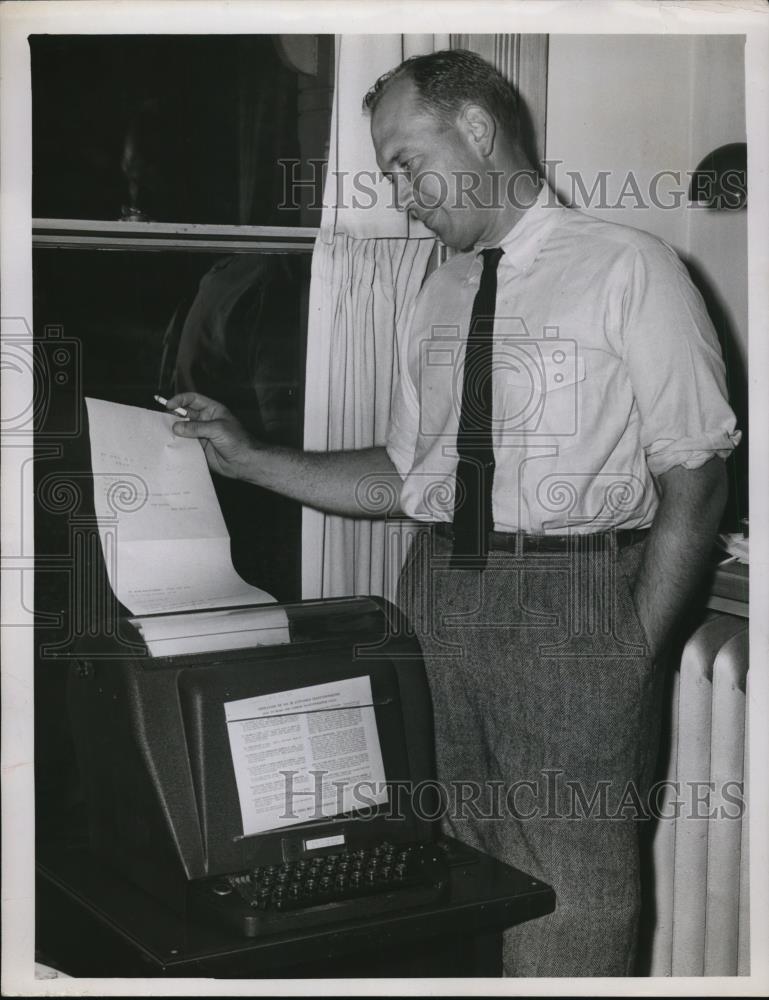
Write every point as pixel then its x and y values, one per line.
pixel 526 238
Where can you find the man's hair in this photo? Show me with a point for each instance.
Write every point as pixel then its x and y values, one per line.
pixel 447 80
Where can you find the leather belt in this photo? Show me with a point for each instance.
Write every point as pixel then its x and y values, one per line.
pixel 520 542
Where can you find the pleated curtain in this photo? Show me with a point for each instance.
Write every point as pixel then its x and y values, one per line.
pixel 368 265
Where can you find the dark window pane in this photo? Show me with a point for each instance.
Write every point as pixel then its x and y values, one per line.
pixel 232 327
pixel 176 128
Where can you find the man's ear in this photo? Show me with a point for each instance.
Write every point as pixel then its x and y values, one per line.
pixel 479 128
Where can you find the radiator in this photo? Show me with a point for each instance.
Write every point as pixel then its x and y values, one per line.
pixel 700 847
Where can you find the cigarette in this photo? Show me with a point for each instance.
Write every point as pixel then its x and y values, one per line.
pixel 179 411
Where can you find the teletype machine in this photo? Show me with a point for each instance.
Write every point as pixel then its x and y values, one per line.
pixel 276 790
pixel 258 778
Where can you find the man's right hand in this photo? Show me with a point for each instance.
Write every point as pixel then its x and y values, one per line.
pixel 228 447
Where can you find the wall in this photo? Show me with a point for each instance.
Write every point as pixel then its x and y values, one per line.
pixel 649 103
pixel 646 104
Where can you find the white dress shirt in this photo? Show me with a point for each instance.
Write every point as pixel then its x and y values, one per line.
pixel 606 372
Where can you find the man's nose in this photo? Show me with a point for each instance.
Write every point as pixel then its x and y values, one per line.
pixel 404 192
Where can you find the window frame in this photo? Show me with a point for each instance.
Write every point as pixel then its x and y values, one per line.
pixel 92 234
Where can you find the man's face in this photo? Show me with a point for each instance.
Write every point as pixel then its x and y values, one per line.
pixel 428 162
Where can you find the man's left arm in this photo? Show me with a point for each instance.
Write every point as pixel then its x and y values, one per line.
pixel 679 546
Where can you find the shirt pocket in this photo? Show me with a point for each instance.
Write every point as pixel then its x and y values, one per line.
pixel 542 364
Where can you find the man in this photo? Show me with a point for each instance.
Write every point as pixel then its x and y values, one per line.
pixel 580 458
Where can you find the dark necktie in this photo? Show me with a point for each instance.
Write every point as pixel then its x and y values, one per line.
pixel 473 519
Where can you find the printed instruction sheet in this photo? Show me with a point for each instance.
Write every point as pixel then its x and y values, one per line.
pixel 305 754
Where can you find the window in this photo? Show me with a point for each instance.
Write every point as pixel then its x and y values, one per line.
pixel 191 129
pixel 169 252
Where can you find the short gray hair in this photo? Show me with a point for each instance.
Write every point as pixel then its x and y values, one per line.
pixel 447 80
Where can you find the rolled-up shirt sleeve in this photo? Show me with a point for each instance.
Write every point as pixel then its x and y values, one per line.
pixel 675 364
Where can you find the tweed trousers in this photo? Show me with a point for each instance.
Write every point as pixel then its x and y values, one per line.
pixel 547 711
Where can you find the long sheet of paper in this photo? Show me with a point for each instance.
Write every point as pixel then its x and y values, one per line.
pixel 165 542
pixel 305 754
